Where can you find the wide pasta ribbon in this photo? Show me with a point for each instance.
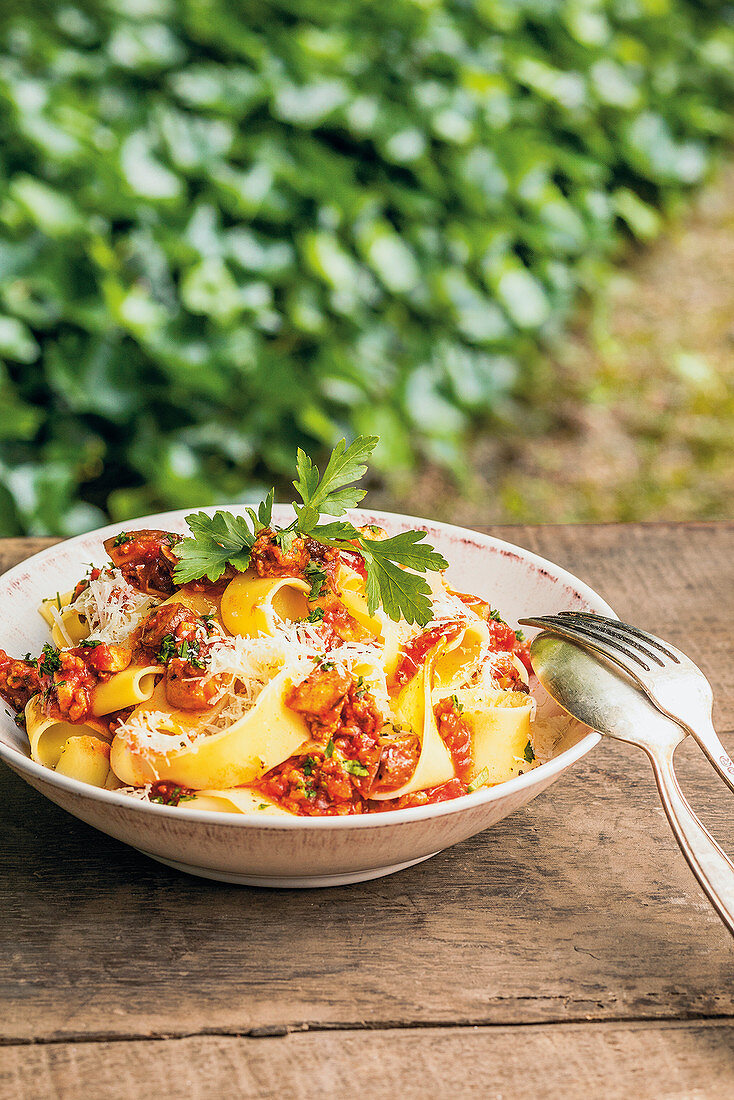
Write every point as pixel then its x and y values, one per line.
pixel 414 709
pixel 265 736
pixel 238 800
pixel 78 750
pixel 253 605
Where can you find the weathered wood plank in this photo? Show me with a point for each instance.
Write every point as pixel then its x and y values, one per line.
pixel 580 907
pixel 563 1062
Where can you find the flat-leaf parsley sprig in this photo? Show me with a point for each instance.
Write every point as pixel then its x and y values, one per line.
pixel 393 565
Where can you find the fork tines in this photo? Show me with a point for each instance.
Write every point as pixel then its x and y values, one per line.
pixel 606 635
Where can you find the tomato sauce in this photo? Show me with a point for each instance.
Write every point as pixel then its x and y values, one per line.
pixel 70 686
pixel 146 559
pixel 454 788
pixel 414 653
pixel 456 734
pixel 19 681
pixel 501 635
pixel 353 757
pixel 169 794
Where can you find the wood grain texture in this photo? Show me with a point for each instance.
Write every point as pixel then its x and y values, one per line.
pixel 562 1062
pixel 580 907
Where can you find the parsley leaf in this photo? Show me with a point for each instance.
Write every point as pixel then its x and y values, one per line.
pixel 186 650
pixel 285 538
pixel 393 565
pixel 401 593
pixel 219 540
pixel 308 765
pixel 168 649
pixel 529 753
pixel 330 495
pixel 264 516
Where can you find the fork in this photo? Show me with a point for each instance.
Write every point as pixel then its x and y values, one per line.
pixel 670 680
pixel 589 688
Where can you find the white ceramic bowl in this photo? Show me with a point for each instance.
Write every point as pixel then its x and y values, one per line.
pixel 297 852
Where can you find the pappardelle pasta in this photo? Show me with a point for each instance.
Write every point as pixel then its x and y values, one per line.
pixel 321 669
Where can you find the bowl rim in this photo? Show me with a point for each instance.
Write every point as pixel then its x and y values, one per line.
pixel 537 777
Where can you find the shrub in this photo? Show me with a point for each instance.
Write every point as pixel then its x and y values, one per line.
pixel 231 227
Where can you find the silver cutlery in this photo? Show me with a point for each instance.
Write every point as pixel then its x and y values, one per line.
pixel 608 700
pixel 671 680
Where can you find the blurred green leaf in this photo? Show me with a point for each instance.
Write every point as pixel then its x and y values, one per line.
pixel 227 230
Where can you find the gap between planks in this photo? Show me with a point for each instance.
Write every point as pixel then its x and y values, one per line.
pixel 281 1031
pixel 672 1061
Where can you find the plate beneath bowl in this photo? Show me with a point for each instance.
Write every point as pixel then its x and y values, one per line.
pixel 298 852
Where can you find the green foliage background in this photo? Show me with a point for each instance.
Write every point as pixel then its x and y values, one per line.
pixel 228 227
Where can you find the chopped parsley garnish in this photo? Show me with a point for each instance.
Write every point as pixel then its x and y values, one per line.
pixel 122 538
pixel 210 623
pixel 329 750
pixel 186 650
pixel 355 768
pixel 495 616
pixel 262 806
pixel 308 765
pixel 529 753
pixel 316 575
pixel 325 666
pixel 173 797
pixel 360 687
pixel 315 615
pixel 49 661
pixel 519 636
pixel 393 565
pixel 168 649
pixel 89 643
pixel 457 705
pixel 479 780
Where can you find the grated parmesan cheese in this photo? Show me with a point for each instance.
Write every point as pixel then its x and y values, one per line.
pixel 297 647
pixel 146 729
pixel 57 618
pixel 112 607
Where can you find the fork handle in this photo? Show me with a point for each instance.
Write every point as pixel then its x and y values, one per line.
pixel 711 866
pixel 708 739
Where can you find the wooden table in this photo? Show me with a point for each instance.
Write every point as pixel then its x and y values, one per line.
pixel 568 952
